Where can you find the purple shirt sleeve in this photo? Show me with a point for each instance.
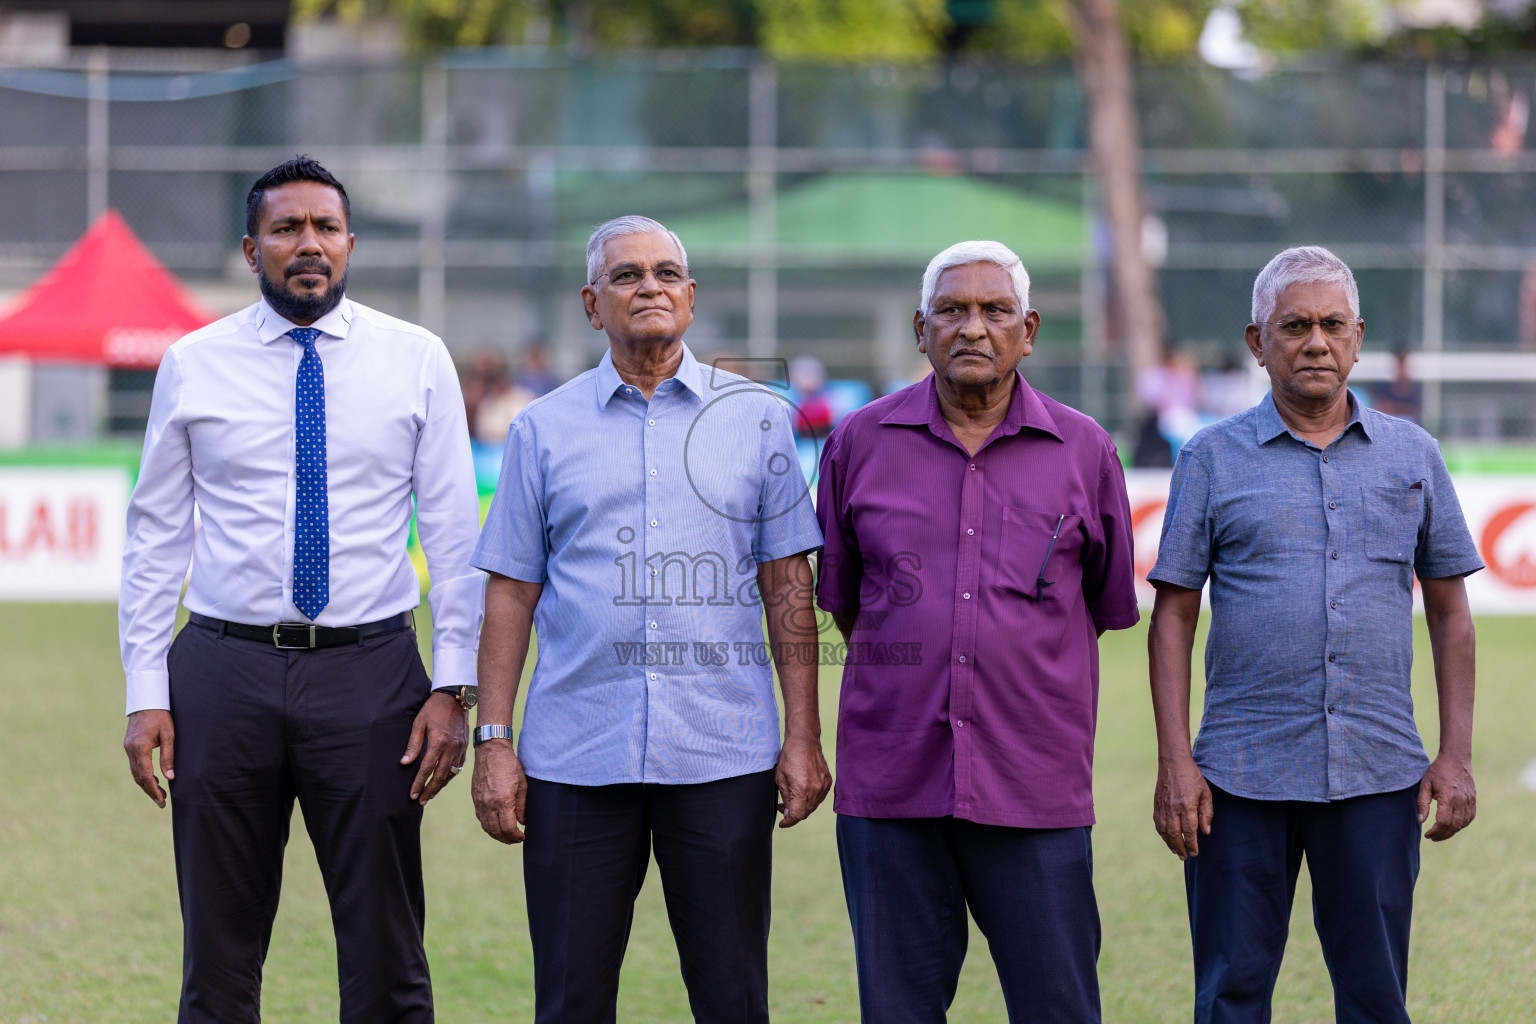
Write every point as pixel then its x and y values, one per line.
pixel 841 569
pixel 1109 583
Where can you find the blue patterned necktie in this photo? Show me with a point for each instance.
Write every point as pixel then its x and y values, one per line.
pixel 312 520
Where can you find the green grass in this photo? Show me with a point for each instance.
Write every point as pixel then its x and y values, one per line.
pixel 89 927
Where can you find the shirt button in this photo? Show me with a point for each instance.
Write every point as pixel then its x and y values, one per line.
pixel 959 724
pixel 1325 458
pixel 653 626
pixel 653 472
pixel 967 596
pixel 973 467
pixel 651 422
pixel 653 522
pixel 962 659
pixel 653 675
pixel 1333 504
pixel 1330 709
pixel 1335 554
pixel 1333 604
pixel 1331 657
pixel 653 572
pixel 969 532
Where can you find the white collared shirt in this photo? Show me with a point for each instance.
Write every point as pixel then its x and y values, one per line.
pixel 221 436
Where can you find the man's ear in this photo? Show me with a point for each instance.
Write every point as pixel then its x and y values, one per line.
pixel 1253 336
pixel 252 257
pixel 920 328
pixel 589 302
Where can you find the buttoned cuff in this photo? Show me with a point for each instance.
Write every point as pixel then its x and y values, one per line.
pixel 453 666
pixel 149 690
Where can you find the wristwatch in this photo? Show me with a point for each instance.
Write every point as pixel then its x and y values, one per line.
pixel 491 732
pixel 467 696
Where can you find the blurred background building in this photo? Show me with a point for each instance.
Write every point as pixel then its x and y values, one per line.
pixel 812 162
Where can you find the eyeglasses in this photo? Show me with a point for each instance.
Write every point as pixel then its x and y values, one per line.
pixel 1040 581
pixel 1296 328
pixel 630 275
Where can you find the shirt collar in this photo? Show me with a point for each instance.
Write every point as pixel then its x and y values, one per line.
pixel 689 374
pixel 920 407
pixel 270 325
pixel 1269 425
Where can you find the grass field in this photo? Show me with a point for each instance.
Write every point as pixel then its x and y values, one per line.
pixel 90 932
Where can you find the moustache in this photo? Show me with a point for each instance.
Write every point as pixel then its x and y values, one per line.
pixel 956 353
pixel 298 267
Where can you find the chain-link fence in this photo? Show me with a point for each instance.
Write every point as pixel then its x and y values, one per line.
pixel 811 197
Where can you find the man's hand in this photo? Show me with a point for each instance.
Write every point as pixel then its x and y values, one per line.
pixel 146 731
pixel 802 778
pixel 440 734
pixel 1449 784
pixel 500 790
pixel 1181 806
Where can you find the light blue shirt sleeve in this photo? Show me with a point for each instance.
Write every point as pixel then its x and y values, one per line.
pixel 786 519
pixel 515 539
pixel 1184 552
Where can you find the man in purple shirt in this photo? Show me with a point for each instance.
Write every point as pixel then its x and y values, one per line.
pixel 977 542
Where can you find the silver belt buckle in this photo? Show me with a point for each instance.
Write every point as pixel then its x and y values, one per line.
pixel 307 633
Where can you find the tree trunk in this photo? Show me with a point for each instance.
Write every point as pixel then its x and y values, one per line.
pixel 1104 67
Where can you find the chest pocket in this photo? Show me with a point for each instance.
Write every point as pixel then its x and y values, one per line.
pixel 1041 554
pixel 1393 516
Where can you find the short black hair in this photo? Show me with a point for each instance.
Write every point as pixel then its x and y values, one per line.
pixel 301 168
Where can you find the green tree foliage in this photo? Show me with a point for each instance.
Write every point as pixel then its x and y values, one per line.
pixel 432 24
pixel 1042 29
pixel 853 30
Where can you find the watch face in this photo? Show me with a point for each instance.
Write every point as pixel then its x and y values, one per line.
pixel 470 696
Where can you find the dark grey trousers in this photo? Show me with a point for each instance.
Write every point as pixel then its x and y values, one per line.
pixel 255 728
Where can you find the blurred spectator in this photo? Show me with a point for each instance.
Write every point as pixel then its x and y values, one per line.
pixel 535 375
pixel 1171 393
pixel 491 398
pixel 808 390
pixel 1402 395
pixel 1224 391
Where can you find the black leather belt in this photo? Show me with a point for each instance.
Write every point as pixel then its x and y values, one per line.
pixel 303 636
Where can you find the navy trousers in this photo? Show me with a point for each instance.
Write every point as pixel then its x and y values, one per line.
pixel 585 860
pixel 908 882
pixel 257 727
pixel 1363 856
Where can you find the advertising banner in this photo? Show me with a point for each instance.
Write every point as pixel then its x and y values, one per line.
pixel 1500 511
pixel 61 533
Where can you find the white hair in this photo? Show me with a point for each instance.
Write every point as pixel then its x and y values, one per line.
pixel 1305 264
pixel 632 224
pixel 961 253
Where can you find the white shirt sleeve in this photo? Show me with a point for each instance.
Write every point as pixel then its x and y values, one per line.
pixel 158 547
pixel 448 523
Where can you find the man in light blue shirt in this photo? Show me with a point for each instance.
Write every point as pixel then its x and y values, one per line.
pixel 648 512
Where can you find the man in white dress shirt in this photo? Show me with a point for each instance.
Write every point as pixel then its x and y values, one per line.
pixel 301 428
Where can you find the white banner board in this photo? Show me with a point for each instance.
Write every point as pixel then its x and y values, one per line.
pixel 61 533
pixel 1500 511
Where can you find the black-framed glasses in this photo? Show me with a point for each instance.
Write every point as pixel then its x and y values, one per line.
pixel 1333 327
pixel 1040 581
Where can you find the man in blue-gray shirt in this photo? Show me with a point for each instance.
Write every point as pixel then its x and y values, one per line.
pixel 647 512
pixel 1310 516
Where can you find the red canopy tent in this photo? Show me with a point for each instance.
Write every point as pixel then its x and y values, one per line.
pixel 107 300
